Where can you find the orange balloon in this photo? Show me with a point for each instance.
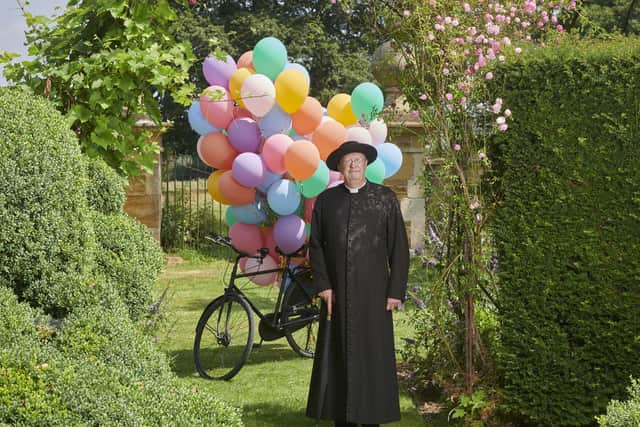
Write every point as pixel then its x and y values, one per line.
pixel 216 151
pixel 328 136
pixel 339 108
pixel 301 159
pixel 233 192
pixel 235 84
pixel 213 187
pixel 246 61
pixel 308 116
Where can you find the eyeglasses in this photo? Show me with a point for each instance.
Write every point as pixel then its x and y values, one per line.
pixel 356 161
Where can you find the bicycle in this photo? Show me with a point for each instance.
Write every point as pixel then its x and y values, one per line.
pixel 229 321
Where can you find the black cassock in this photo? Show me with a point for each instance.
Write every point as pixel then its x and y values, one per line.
pixel 359 249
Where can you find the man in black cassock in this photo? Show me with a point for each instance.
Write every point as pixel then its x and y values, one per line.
pixel 360 260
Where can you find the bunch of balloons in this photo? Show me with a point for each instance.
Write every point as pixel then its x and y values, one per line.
pixel 268 140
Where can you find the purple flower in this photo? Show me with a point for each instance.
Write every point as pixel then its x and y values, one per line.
pixel 409 341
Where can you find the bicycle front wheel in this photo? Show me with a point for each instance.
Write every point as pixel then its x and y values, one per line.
pixel 304 316
pixel 224 338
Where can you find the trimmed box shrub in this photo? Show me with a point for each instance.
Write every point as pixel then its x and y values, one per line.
pixel 106 190
pixel 626 413
pixel 46 237
pixel 96 369
pixel 129 257
pixel 568 230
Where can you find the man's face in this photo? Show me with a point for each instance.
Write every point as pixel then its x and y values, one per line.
pixel 352 166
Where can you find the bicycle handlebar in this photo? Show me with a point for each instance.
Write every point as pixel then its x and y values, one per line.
pixel 226 242
pixel 263 252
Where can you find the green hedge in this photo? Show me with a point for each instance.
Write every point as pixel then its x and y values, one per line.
pixel 129 257
pixel 46 238
pixel 568 229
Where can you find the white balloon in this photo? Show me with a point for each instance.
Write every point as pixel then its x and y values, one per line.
pixel 258 94
pixel 358 133
pixel 378 131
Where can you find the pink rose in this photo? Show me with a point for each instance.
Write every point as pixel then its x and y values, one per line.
pixel 503 127
pixel 457 147
pixel 489 76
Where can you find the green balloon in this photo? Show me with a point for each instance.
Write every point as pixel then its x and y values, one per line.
pixel 229 218
pixel 367 101
pixel 317 182
pixel 269 57
pixel 375 172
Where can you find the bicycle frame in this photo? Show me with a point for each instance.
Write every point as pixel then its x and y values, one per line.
pixel 287 272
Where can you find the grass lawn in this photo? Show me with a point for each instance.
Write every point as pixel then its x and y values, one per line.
pixel 272 387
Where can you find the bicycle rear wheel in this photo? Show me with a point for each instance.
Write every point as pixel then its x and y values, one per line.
pixel 224 338
pixel 297 306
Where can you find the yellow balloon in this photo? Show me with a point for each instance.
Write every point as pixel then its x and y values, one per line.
pixel 339 108
pixel 214 189
pixel 235 84
pixel 292 89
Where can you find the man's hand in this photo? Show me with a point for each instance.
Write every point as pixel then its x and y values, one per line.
pixel 393 304
pixel 328 297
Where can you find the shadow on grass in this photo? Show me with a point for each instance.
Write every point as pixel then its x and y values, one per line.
pixel 183 365
pixel 270 414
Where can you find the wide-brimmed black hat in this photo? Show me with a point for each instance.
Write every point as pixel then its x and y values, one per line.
pixel 351 147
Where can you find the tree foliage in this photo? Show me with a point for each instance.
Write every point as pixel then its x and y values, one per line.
pixel 333 44
pixel 106 63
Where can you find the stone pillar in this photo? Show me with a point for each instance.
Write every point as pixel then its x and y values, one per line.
pixel 144 195
pixel 406 183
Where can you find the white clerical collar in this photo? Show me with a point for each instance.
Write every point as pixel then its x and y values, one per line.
pixel 355 190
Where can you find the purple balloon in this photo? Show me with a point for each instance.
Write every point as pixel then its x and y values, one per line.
pixel 244 135
pixel 218 72
pixel 289 232
pixel 248 169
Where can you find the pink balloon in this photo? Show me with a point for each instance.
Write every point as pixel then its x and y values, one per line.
pixel 248 169
pixel 290 233
pixel 335 176
pixel 252 265
pixel 246 60
pixel 273 152
pixel 258 94
pixel 270 242
pixel 246 238
pixel 308 208
pixel 218 72
pixel 216 106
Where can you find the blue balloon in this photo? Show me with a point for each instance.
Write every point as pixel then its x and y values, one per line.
pixel 283 197
pixel 294 66
pixel 269 179
pixel 197 120
pixel 249 214
pixel 276 121
pixel 391 156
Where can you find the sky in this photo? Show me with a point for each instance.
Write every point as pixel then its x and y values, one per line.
pixel 12 24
